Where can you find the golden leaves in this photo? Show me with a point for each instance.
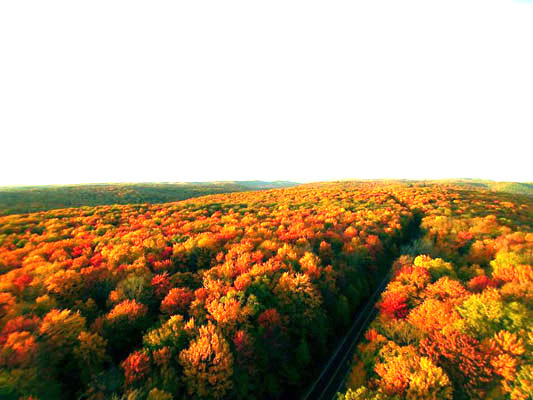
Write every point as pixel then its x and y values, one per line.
pixel 207 364
pixel 127 310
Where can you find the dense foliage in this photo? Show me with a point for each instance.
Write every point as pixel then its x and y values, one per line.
pixel 227 296
pixel 508 187
pixel 456 319
pixel 16 200
pixel 244 295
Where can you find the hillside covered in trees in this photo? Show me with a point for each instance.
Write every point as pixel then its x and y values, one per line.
pixel 244 295
pixel 508 187
pixel 25 199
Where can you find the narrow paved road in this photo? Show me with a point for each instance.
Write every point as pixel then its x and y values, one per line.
pixel 335 371
pixel 333 375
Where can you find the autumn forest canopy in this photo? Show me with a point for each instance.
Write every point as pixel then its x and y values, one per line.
pixel 23 199
pixel 228 292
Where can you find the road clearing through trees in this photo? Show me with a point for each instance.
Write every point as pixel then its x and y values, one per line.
pixel 333 375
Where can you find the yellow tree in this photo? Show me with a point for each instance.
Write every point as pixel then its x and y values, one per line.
pixel 208 364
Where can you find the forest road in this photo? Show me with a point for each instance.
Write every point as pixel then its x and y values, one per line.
pixel 334 373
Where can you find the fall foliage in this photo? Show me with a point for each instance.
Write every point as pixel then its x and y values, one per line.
pixel 244 295
pixel 459 304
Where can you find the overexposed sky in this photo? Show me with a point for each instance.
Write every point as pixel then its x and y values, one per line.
pixel 101 91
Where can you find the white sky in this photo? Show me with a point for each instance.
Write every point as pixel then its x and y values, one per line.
pixel 100 91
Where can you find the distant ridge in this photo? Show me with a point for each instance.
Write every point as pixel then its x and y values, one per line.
pixel 508 187
pixel 248 184
pixel 25 199
pixel 523 188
